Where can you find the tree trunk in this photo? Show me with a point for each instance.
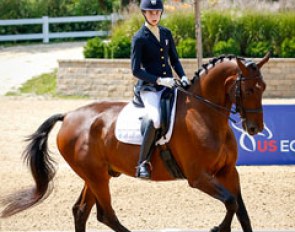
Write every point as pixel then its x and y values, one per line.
pixel 198 31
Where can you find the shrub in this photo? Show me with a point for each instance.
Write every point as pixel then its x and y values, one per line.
pixel 187 48
pixel 182 25
pixel 258 49
pixel 127 28
pixel 17 9
pixel 256 28
pixel 216 27
pixel 288 48
pixel 120 47
pixel 244 34
pixel 94 48
pixel 226 47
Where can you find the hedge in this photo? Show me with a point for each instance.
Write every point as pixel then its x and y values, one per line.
pixel 18 9
pixel 248 34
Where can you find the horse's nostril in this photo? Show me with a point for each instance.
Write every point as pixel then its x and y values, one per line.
pixel 253 130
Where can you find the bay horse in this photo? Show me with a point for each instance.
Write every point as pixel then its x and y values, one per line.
pixel 203 145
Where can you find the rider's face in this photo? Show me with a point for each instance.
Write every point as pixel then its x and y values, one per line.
pixel 153 16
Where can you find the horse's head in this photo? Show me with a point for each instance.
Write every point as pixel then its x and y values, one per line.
pixel 248 94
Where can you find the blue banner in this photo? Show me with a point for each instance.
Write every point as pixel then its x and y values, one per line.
pixel 275 145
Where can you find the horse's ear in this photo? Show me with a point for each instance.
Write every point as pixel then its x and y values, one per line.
pixel 242 67
pixel 264 60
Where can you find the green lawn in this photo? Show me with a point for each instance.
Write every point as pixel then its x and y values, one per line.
pixel 45 84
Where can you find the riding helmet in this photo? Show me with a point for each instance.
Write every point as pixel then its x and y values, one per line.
pixel 151 5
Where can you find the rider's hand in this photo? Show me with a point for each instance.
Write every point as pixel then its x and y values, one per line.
pixel 166 81
pixel 185 81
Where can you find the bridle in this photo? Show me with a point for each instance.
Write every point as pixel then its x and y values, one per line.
pixel 238 99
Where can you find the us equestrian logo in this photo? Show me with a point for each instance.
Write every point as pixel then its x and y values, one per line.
pixel 263 142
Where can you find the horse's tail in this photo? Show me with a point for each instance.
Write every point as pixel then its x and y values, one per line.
pixel 37 157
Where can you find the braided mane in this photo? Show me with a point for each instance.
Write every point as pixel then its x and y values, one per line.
pixel 212 63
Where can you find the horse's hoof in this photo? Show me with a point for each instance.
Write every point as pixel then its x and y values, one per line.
pixel 215 229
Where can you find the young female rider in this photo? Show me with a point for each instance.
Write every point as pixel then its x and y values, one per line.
pixel 153 50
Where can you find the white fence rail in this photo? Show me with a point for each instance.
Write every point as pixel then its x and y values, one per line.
pixel 46 35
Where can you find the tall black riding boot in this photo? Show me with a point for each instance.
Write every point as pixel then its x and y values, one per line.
pixel 145 150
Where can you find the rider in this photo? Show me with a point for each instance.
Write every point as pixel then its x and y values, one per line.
pixel 153 50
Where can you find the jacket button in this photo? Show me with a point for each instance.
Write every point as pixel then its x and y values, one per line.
pixel 164 73
pixel 162 57
pixel 161 49
pixel 163 65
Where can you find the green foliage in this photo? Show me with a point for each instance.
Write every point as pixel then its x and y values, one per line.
pixel 120 43
pixel 40 85
pixel 255 32
pixel 18 9
pixel 216 27
pixel 248 33
pixel 181 24
pixel 128 27
pixel 226 47
pixel 120 47
pixel 288 48
pixel 44 84
pixel 258 49
pixel 244 34
pixel 254 29
pixel 186 48
pixel 94 48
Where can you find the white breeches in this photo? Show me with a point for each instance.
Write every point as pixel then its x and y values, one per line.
pixel 151 102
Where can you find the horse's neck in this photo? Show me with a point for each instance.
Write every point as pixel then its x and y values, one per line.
pixel 211 86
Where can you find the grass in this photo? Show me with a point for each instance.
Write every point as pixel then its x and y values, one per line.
pixel 42 85
pixel 45 84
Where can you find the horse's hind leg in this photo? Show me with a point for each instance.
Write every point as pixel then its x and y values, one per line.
pixel 99 184
pixel 82 209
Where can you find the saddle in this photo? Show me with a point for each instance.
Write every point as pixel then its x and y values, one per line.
pixel 130 123
pixel 130 119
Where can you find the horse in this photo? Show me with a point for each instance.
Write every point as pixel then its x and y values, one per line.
pixel 203 145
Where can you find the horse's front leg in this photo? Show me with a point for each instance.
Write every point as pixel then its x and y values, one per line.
pixel 229 178
pixel 242 214
pixel 214 188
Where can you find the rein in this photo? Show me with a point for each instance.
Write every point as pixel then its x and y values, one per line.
pixel 209 103
pixel 238 95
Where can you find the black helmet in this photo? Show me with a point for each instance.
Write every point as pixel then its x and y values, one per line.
pixel 151 5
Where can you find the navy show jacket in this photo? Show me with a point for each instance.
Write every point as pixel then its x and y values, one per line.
pixel 151 58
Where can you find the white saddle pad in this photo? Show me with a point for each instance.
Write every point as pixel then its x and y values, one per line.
pixel 129 121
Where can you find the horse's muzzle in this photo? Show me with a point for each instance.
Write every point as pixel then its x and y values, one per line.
pixel 252 128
